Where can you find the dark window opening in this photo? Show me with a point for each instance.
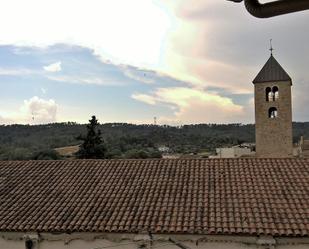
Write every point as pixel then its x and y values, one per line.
pixel 268 93
pixel 272 112
pixel 29 244
pixel 275 91
pixel 272 94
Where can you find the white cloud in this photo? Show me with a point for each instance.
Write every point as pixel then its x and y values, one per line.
pixel 54 67
pixel 194 106
pixel 171 36
pixel 41 110
pixel 43 90
pixel 33 111
pixel 226 76
pixel 15 71
pixel 139 76
pixel 4 120
pixel 145 98
pixel 91 80
pixel 132 32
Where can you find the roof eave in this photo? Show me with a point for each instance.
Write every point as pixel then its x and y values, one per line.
pixel 272 81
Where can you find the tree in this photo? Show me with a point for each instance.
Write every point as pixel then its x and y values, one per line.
pixel 93 145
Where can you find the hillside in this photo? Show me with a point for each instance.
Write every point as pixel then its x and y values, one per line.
pixel 19 142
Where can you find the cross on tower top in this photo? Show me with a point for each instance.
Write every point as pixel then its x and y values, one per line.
pixel 271 47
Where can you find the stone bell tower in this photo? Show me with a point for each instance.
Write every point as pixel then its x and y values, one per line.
pixel 273 111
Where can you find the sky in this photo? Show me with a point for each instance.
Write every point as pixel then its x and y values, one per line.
pixel 130 61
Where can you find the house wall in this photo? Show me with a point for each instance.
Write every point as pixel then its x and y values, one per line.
pixel 273 136
pixel 242 151
pixel 232 152
pixel 133 241
pixel 225 152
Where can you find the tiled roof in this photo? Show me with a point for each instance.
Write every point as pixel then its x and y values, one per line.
pixel 201 196
pixel 272 72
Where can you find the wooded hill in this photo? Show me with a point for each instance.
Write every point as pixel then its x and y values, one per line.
pixel 22 142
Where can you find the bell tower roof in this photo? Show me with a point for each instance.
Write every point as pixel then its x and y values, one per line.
pixel 272 71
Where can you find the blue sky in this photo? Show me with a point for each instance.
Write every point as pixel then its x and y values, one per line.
pixel 179 62
pixel 79 83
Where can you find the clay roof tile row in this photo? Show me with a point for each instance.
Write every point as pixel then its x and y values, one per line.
pixel 196 196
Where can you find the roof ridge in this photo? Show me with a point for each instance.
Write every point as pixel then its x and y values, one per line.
pixel 152 159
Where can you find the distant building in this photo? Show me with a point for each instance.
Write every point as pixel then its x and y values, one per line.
pixel 233 152
pixel 302 148
pixel 273 111
pixel 163 149
pixel 171 156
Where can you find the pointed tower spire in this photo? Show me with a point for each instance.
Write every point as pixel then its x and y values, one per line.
pixel 272 72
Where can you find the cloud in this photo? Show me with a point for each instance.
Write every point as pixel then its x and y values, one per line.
pixel 199 111
pixel 145 98
pixel 220 44
pixel 194 106
pixel 41 110
pixel 15 71
pixel 139 75
pixel 134 31
pixel 90 80
pixel 4 120
pixel 54 67
pixel 33 111
pixel 224 75
pixel 43 90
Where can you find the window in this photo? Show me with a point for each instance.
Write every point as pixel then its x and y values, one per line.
pixel 273 112
pixel 268 94
pixel 29 244
pixel 275 91
pixel 272 94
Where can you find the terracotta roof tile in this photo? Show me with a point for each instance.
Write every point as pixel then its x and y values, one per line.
pixel 218 196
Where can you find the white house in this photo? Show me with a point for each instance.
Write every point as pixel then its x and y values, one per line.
pixel 233 152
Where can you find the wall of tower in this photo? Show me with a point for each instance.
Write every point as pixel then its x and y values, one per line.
pixel 273 135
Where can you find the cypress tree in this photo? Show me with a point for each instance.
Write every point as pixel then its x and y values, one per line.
pixel 93 145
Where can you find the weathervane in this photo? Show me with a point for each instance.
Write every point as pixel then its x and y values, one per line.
pixel 271 47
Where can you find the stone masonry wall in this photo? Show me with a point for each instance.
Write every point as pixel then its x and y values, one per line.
pixel 273 136
pixel 13 240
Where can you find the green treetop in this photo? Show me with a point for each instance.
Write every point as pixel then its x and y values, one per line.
pixel 93 145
